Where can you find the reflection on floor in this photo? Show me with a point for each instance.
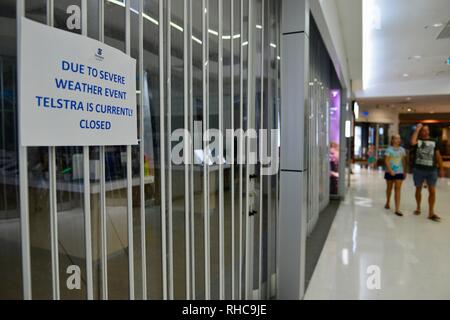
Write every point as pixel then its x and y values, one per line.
pixel 410 256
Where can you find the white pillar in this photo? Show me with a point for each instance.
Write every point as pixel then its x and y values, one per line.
pixel 294 96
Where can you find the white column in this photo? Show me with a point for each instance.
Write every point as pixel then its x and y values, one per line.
pixel 294 95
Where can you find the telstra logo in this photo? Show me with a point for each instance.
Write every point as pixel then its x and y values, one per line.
pixel 99 54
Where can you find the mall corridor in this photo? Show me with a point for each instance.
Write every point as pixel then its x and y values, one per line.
pixel 412 252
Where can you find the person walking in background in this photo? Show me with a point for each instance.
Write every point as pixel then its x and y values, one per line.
pixel 426 163
pixel 371 157
pixel 395 160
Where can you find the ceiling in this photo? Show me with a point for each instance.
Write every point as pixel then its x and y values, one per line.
pixel 417 104
pixel 405 58
pixel 350 16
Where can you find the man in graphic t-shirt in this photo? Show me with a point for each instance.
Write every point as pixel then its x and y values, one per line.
pixel 426 163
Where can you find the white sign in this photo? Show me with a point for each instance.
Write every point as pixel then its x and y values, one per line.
pixel 74 91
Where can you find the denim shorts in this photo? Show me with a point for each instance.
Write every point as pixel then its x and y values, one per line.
pixel 430 176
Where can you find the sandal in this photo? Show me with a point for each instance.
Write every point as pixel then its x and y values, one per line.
pixel 435 218
pixel 417 212
pixel 387 207
pixel 398 213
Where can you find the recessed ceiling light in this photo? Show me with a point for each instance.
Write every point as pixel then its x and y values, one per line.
pixel 438 25
pixel 405 75
pixel 417 57
pixel 409 109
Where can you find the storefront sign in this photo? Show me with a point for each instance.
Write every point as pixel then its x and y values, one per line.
pixel 74 91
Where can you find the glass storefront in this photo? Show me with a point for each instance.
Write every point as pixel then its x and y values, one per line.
pixel 323 119
pixel 371 141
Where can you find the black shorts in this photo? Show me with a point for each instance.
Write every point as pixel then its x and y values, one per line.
pixel 398 176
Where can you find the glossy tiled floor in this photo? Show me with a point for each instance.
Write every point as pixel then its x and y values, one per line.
pixel 412 252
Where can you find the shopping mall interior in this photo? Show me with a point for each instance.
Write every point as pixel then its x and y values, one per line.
pixel 345 98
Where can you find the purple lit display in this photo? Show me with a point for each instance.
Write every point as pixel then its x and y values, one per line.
pixel 335 116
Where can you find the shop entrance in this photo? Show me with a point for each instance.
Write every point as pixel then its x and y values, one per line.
pixel 371 141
